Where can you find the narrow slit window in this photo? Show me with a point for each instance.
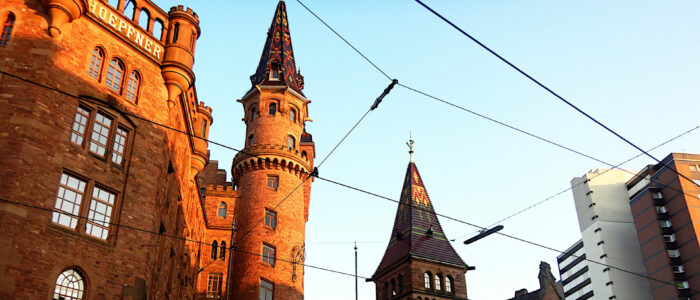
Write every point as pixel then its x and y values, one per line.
pixel 7 29
pixel 77 135
pixel 115 72
pixel 96 63
pixel 70 196
pixel 222 251
pixel 119 146
pixel 100 214
pixel 273 109
pixel 252 113
pixel 250 140
pixel 176 32
pixel 132 87
pixel 214 249
pixel 100 134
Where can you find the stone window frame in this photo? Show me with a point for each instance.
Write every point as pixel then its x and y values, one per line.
pixel 84 208
pixel 269 254
pixel 214 282
pixel 82 283
pixel 111 83
pixel 118 123
pixel 133 86
pixel 273 111
pixel 95 70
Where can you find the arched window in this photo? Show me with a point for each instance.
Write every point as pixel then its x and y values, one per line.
pixel 426 280
pixel 252 113
pixel 214 248
pixel 144 18
pixel 114 3
pixel 115 72
pixel 291 142
pixel 176 32
pixel 69 285
pixel 393 287
pixel 96 63
pixel 222 252
pixel 293 115
pixel 250 140
pixel 399 286
pixel 438 284
pixel 7 29
pixel 303 154
pixel 273 108
pixel 132 87
pixel 129 7
pixel 222 210
pixel 448 284
pixel 158 29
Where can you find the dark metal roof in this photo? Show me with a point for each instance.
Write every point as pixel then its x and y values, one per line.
pixel 414 217
pixel 278 50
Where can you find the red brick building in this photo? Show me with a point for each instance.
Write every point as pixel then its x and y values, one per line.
pixel 107 189
pixel 666 211
pixel 549 289
pixel 419 262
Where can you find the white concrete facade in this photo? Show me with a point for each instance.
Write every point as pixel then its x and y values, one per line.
pixel 575 274
pixel 609 235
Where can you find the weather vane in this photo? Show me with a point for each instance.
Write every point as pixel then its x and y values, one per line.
pixel 410 146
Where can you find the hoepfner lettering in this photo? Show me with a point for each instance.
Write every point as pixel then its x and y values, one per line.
pixel 124 27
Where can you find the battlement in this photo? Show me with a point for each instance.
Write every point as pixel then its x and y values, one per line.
pixel 188 11
pixel 203 108
pixel 220 189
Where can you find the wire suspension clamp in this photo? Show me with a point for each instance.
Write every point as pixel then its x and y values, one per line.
pixel 386 92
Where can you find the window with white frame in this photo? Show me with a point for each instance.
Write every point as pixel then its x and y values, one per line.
pixel 70 285
pixel 100 213
pixel 70 196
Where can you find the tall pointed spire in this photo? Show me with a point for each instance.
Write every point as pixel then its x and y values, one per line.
pixel 277 63
pixel 417 232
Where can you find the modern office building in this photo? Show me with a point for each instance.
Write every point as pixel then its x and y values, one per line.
pixel 574 272
pixel 666 213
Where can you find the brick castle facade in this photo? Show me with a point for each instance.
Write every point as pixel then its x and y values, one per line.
pixel 108 191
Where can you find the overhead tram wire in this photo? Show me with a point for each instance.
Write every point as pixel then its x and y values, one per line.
pixel 232 248
pixel 552 92
pixel 316 176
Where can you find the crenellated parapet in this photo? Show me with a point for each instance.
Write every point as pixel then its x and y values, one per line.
pixel 221 190
pixel 183 32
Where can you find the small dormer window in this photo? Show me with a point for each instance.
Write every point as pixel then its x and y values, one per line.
pixel 273 108
pixel 274 72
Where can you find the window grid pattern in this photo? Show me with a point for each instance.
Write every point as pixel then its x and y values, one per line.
pixel 77 134
pixel 100 134
pixel 68 201
pixel 114 75
pixel 100 214
pixel 69 286
pixel 273 182
pixel 266 290
pixel 119 146
pixel 271 219
pixel 437 282
pixel 448 285
pixel 96 63
pixel 214 285
pixel 268 255
pixel 132 86
pixel 426 280
pixel 7 29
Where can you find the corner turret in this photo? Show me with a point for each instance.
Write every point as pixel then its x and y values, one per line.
pixel 183 31
pixel 202 122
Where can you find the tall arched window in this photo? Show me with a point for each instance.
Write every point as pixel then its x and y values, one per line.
pixel 96 63
pixel 176 32
pixel 393 287
pixel 70 285
pixel 222 253
pixel 438 284
pixel 252 113
pixel 144 18
pixel 426 280
pixel 222 210
pixel 273 108
pixel 291 142
pixel 250 140
pixel 214 248
pixel 114 3
pixel 293 115
pixel 448 284
pixel 115 73
pixel 7 29
pixel 132 88
pixel 158 29
pixel 129 9
pixel 399 285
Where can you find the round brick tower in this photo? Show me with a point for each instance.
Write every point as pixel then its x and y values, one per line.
pixel 273 167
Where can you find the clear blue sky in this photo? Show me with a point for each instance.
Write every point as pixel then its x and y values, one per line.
pixel 632 64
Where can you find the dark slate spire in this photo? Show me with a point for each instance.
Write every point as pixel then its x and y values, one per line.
pixel 417 232
pixel 278 54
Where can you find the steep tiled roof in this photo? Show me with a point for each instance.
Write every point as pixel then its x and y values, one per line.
pixel 414 217
pixel 278 49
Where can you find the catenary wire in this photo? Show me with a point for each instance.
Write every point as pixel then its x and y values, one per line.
pixel 552 92
pixel 232 248
pixel 334 182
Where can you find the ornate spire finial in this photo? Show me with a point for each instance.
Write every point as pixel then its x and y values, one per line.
pixel 410 146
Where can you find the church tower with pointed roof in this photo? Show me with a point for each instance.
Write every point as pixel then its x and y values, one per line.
pixel 419 262
pixel 271 175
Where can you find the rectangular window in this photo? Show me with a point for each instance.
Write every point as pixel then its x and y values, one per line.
pixel 674 253
pixel 100 134
pixel 665 223
pixel 271 218
pixel 273 182
pixel 77 135
pixel 100 213
pixel 268 255
pixel 657 195
pixel 214 286
pixel 266 289
pixel 694 168
pixel 70 196
pixel 670 238
pixel 678 269
pixel 682 285
pixel 661 209
pixel 119 146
